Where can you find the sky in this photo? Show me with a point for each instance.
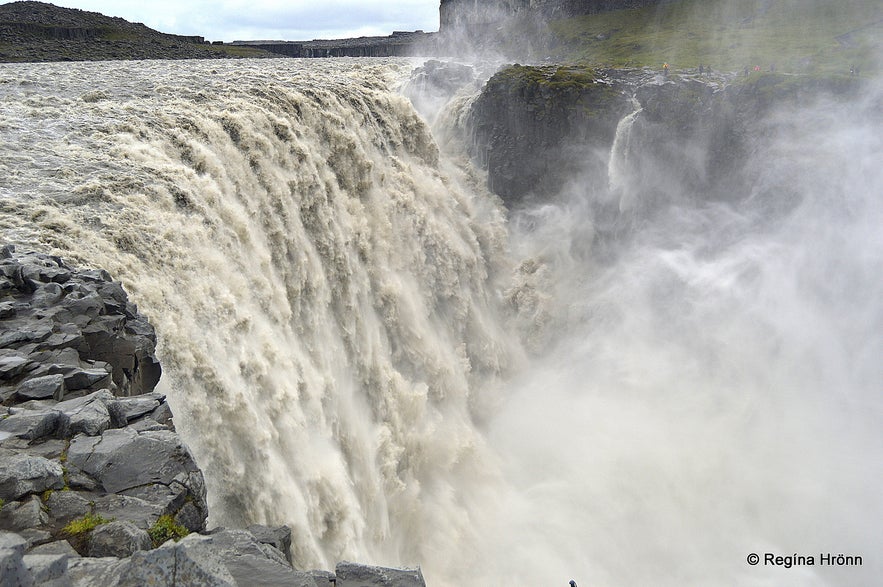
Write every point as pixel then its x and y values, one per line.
pixel 289 20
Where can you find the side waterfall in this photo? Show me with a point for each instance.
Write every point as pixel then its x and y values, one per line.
pixel 618 167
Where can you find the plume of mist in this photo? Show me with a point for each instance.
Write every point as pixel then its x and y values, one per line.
pixel 711 387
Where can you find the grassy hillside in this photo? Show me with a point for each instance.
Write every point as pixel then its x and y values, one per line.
pixel 792 35
pixel 37 31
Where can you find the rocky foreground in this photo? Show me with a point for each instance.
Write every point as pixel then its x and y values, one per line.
pixel 96 487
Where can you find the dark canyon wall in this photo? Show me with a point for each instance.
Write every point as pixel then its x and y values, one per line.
pixel 536 129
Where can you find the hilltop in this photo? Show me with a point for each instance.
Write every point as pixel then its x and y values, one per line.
pixel 789 35
pixel 37 31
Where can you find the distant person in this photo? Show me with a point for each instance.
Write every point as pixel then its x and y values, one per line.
pixel 665 69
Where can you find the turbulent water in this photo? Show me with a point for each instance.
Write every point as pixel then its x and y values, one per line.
pixel 359 343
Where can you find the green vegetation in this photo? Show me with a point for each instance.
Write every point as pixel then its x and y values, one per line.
pixel 166 528
pixel 537 83
pixel 87 523
pixel 113 34
pixel 553 77
pixel 791 35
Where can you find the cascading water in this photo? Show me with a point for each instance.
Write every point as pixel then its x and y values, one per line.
pixel 321 285
pixel 336 304
pixel 618 166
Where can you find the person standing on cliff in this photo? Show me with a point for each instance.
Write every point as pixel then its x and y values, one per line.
pixel 665 69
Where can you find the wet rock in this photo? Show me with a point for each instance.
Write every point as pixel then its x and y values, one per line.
pixel 21 474
pixel 31 424
pixel 119 539
pixel 57 307
pixel 65 506
pixel 248 561
pixel 86 415
pixel 356 575
pixel 48 569
pixel 18 516
pixel 188 562
pixel 87 379
pixel 163 415
pixel 47 386
pixel 137 406
pixel 123 459
pixel 141 513
pixel 11 366
pixel 278 537
pixel 536 127
pixel 57 547
pixel 13 572
pixel 105 571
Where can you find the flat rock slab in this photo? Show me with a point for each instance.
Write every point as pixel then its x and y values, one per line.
pixel 123 459
pixel 47 386
pixel 356 575
pixel 22 474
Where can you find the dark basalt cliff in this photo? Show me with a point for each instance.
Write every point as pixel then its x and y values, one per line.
pixel 96 486
pixel 536 128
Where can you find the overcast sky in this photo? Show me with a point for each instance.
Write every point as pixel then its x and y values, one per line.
pixel 289 20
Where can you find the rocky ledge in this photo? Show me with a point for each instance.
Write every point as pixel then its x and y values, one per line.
pixel 96 487
pixel 538 129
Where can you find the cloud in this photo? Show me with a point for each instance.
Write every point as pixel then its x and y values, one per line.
pixel 271 19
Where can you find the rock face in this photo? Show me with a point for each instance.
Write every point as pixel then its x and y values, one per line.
pixel 66 333
pixel 95 485
pixel 354 575
pixel 537 128
pixel 534 127
pixel 81 431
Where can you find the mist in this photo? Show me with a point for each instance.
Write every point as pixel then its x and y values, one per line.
pixel 705 383
pixel 640 379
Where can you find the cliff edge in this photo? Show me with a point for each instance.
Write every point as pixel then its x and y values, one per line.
pixel 96 487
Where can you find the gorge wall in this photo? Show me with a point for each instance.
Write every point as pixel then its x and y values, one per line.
pixel 536 128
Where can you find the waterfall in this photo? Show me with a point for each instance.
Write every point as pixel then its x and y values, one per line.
pixel 618 169
pixel 322 287
pixel 359 342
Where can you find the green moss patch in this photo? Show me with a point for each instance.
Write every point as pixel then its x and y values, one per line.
pixel 87 523
pixel 165 529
